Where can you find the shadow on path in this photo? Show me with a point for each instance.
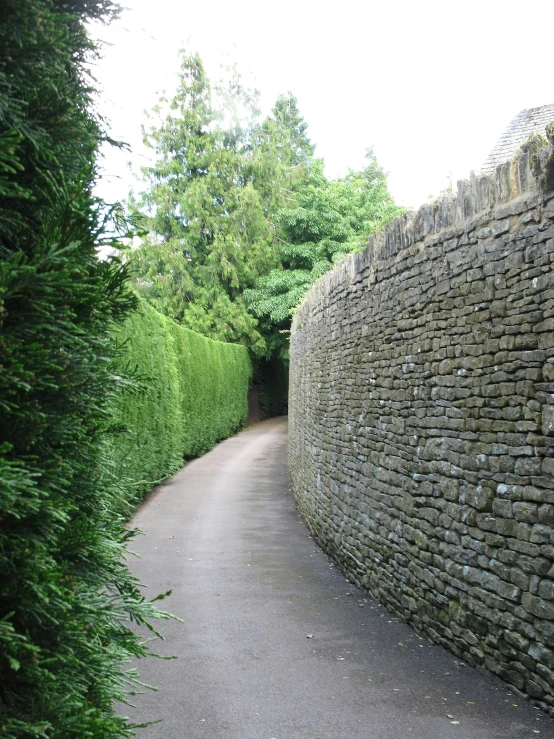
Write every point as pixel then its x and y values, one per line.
pixel 251 585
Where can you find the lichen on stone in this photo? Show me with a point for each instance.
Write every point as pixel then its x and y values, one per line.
pixel 549 169
pixel 543 171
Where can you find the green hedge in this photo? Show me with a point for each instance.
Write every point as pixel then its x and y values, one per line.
pixel 67 599
pixel 190 391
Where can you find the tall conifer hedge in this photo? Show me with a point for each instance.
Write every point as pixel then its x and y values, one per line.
pixel 67 319
pixel 66 597
pixel 190 392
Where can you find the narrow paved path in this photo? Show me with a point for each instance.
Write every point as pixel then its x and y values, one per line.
pixel 251 586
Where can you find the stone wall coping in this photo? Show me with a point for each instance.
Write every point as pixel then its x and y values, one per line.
pixel 512 188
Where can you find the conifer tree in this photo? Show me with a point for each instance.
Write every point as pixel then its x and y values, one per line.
pixel 240 217
pixel 209 236
pixel 67 599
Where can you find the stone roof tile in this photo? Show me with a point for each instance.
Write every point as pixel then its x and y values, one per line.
pixel 526 123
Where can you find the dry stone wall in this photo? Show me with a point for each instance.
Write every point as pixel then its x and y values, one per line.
pixel 422 421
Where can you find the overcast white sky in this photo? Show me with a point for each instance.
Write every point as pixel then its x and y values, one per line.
pixel 430 84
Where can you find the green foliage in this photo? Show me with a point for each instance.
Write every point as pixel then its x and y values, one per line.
pixel 240 217
pixel 327 220
pixel 47 131
pixel 190 391
pixel 67 600
pixel 279 157
pixel 209 237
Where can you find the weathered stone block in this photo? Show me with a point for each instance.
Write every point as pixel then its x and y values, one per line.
pixel 528 466
pixel 524 511
pixel 548 420
pixel 546 514
pixel 546 590
pixel 537 606
pixel 502 508
pixel 479 497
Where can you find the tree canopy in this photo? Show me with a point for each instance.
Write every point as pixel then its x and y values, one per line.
pixel 328 220
pixel 239 218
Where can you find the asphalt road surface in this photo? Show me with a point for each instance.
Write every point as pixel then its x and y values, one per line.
pixel 276 643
